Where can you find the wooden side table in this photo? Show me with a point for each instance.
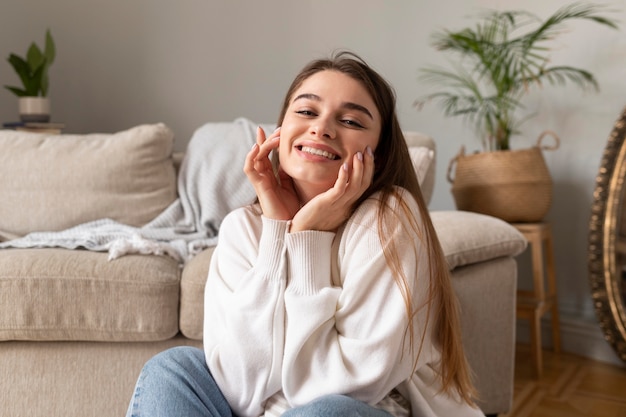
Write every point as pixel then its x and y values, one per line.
pixel 532 305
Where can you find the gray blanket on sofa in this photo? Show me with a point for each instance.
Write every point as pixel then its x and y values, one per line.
pixel 211 183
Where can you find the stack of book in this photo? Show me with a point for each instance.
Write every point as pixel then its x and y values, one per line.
pixel 37 127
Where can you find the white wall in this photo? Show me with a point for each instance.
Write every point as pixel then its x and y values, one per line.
pixel 187 62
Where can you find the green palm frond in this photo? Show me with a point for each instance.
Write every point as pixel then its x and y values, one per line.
pixel 563 74
pixel 499 60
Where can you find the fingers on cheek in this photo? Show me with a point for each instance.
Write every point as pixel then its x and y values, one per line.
pixel 369 167
pixel 344 172
pixel 260 135
pixel 358 168
pixel 343 177
pixel 253 152
pixel 267 147
pixel 357 159
pixel 249 162
pixel 275 142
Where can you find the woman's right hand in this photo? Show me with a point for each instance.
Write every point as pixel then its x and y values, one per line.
pixel 278 200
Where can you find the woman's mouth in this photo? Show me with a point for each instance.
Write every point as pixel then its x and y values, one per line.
pixel 318 152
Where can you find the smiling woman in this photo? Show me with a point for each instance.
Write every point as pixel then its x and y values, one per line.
pixel 337 125
pixel 336 274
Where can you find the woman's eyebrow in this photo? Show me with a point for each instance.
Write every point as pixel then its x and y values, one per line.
pixel 347 105
pixel 357 107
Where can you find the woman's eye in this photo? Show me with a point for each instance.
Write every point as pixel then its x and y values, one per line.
pixel 352 123
pixel 305 112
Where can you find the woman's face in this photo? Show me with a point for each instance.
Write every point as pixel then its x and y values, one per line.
pixel 330 118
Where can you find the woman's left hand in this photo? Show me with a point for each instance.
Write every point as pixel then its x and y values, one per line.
pixel 328 210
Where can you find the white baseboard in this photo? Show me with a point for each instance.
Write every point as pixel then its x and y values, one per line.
pixel 579 335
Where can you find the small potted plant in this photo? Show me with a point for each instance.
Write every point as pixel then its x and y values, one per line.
pixel 34 103
pixel 500 59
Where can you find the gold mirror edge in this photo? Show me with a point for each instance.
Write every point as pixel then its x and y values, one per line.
pixel 607 300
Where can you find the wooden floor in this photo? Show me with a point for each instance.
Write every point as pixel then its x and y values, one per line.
pixel 571 386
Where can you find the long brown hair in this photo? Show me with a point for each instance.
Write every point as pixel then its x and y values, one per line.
pixel 394 169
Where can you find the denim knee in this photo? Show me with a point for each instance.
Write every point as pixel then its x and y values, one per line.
pixel 335 405
pixel 178 382
pixel 183 356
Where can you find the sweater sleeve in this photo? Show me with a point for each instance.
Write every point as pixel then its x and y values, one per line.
pixel 244 310
pixel 346 317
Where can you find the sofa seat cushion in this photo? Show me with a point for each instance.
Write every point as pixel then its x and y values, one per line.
pixel 54 182
pixel 468 238
pixel 60 294
pixel 192 285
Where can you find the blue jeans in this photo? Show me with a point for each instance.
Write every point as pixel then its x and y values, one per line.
pixel 177 382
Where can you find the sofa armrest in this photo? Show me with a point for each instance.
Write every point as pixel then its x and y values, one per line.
pixel 480 252
pixel 468 238
pixel 486 292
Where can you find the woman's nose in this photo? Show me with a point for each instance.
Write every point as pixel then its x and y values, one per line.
pixel 323 129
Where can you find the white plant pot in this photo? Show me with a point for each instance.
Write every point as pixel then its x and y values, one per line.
pixel 34 109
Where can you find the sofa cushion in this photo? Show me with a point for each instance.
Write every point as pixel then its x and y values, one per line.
pixel 60 294
pixel 192 285
pixel 54 182
pixel 469 238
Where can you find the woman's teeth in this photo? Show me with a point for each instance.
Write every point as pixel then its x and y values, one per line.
pixel 319 152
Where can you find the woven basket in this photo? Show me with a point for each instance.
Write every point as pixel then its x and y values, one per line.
pixel 514 186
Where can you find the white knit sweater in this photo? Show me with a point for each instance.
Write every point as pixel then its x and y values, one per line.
pixel 305 314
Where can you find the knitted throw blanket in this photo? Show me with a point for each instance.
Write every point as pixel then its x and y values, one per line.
pixel 211 183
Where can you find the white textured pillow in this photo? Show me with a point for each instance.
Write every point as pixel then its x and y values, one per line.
pixel 423 159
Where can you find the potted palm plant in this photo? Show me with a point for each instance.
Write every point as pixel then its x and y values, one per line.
pixel 34 103
pixel 501 59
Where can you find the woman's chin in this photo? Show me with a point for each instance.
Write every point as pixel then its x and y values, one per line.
pixel 313 186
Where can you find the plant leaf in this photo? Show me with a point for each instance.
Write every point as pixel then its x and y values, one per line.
pixel 23 70
pixel 50 49
pixel 34 57
pixel 38 76
pixel 562 74
pixel 17 91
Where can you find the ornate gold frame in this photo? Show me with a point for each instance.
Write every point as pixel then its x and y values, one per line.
pixel 607 240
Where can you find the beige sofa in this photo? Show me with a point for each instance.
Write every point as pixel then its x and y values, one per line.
pixel 76 328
